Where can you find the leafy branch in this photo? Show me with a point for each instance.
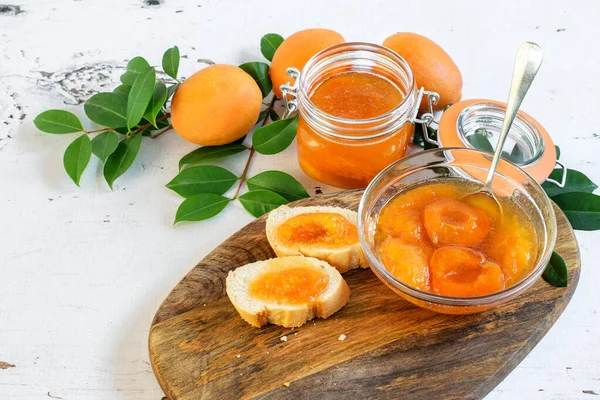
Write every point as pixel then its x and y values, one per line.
pixel 204 186
pixel 133 109
pixel 139 107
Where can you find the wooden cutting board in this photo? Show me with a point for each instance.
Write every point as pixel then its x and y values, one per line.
pixel 200 347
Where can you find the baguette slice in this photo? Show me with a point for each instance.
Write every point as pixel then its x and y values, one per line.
pixel 342 257
pixel 258 312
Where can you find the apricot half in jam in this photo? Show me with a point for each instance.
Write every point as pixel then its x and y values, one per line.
pixel 452 222
pixel 463 272
pixel 406 262
pixel 515 248
pixel 405 224
pixel 325 229
pixel 415 198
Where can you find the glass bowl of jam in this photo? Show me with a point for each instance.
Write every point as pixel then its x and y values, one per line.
pixel 443 252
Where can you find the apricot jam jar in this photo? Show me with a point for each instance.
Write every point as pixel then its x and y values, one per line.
pixel 357 104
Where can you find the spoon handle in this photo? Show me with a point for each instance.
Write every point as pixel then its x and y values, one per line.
pixel 527 63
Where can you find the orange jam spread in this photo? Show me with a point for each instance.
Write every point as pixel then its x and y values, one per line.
pixel 430 239
pixel 323 229
pixel 344 162
pixel 293 285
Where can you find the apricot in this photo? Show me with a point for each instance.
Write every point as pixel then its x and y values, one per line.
pixel 432 67
pixel 216 105
pixel 515 249
pixel 406 262
pixel 421 195
pixel 296 50
pixel 463 272
pixel 405 224
pixel 452 222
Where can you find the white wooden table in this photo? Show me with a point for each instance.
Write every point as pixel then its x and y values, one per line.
pixel 82 270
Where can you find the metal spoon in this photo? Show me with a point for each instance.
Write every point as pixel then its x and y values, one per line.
pixel 527 63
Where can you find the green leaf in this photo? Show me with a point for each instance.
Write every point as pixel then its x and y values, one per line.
pixel 122 91
pixel 582 209
pixel 135 67
pixel 170 62
pixel 122 158
pixel 274 116
pixel 105 144
pixel 140 96
pixel 77 156
pixel 163 123
pixel 58 122
pixel 202 179
pixel 576 182
pixel 269 44
pixel 557 152
pixel 159 96
pixel 275 137
pixel 516 155
pixel 210 153
pixel 556 273
pixel 279 182
pixel 480 141
pixel 262 115
pixel 259 202
pixel 259 71
pixel 107 109
pixel 433 136
pixel 171 90
pixel 201 206
pixel 419 139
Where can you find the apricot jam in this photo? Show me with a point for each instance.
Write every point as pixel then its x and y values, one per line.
pixel 430 239
pixel 294 285
pixel 323 229
pixel 356 95
pixel 350 162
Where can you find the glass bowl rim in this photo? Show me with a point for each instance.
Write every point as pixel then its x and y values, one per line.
pixel 491 298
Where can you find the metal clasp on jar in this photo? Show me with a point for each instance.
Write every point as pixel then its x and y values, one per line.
pixel 290 93
pixel 427 118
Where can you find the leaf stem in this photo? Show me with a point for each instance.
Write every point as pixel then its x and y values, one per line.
pixel 252 151
pixel 98 130
pixel 167 128
pixel 168 82
pixel 148 125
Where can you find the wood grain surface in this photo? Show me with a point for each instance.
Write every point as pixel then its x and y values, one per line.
pixel 201 348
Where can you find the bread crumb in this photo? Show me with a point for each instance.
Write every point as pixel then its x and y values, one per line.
pixel 286 384
pixel 342 337
pixel 296 334
pixel 239 355
pixel 204 305
pixel 284 339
